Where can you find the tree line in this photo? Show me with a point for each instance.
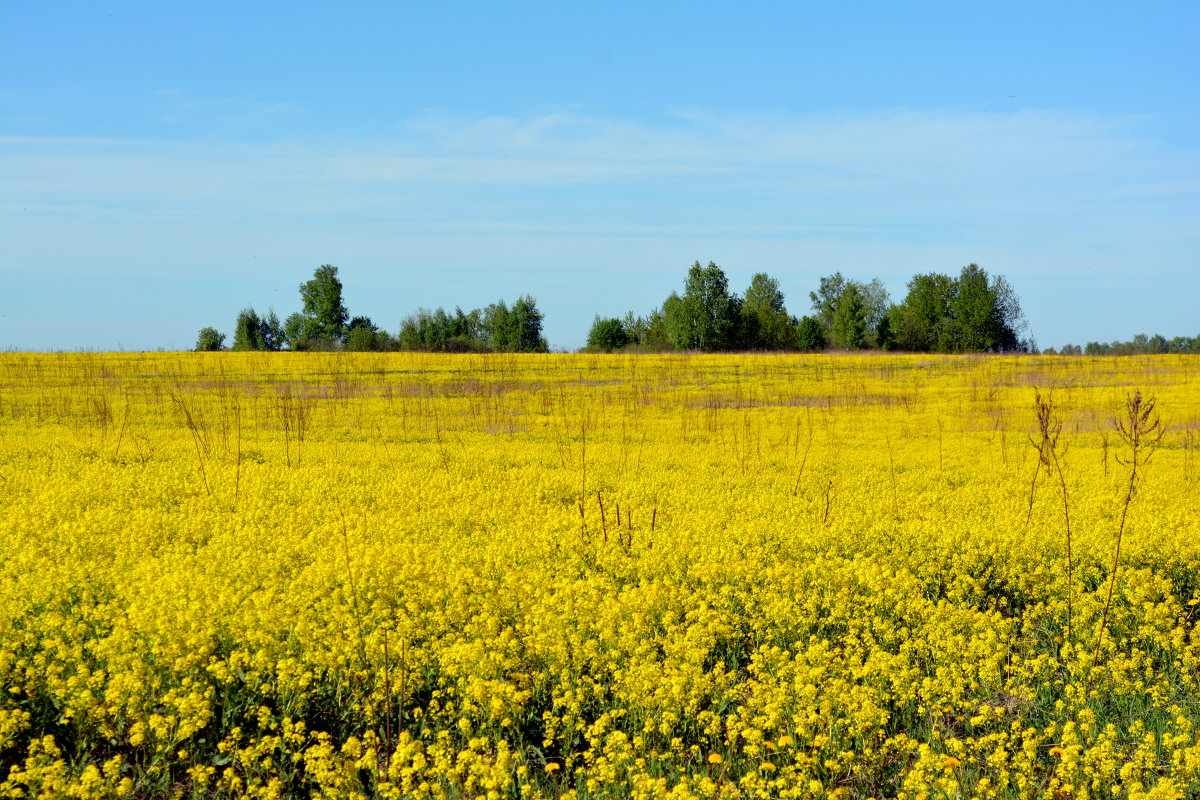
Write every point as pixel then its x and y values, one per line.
pixel 971 313
pixel 324 323
pixel 1139 345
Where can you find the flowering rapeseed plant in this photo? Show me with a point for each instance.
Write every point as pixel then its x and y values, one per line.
pixel 403 575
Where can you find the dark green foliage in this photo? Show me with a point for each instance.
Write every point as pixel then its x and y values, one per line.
pixel 1012 334
pixel 517 329
pixel 676 322
pixel 876 303
pixel 295 331
pixel 1141 345
pixel 872 297
pixel 322 323
pixel 248 331
pixel 976 311
pixel 210 339
pixel 272 331
pixel 608 335
pixel 706 316
pixel 526 325
pixel 364 336
pixel 498 327
pixel 438 331
pixel 765 323
pixel 971 314
pixel 849 320
pixel 648 332
pixel 810 335
pixel 885 337
pixel 826 298
pixel 921 322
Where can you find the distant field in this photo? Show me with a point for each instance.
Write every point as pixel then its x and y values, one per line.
pixel 401 575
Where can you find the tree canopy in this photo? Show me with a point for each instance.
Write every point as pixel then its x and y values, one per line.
pixel 322 322
pixel 974 312
pixel 706 316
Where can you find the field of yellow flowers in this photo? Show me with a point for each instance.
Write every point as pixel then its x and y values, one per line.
pixel 589 576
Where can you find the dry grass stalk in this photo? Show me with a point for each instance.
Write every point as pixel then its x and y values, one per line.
pixel 1051 458
pixel 1141 431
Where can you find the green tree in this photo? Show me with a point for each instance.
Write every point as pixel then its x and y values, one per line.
pixel 295 331
pixel 677 323
pixel 706 316
pixel 885 337
pixel 876 303
pixel 648 332
pixel 362 335
pixel 324 317
pixel 517 329
pixel 765 323
pixel 272 331
pixel 810 335
pixel 607 334
pixel 498 323
pixel 973 313
pixel 825 300
pixel 976 312
pixel 924 321
pixel 210 339
pixel 527 325
pixel 1013 333
pixel 439 331
pixel 850 320
pixel 248 331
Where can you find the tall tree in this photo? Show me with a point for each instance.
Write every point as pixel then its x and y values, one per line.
pixel 706 316
pixel 527 325
pixel 517 329
pixel 765 323
pixel 825 300
pixel 972 313
pixel 272 331
pixel 976 312
pixel 649 332
pixel 498 324
pixel 325 314
pixel 247 331
pixel 677 323
pixel 850 320
pixel 924 321
pixel 810 335
pixel 885 337
pixel 210 338
pixel 1014 329
pixel 363 335
pixel 607 334
pixel 876 303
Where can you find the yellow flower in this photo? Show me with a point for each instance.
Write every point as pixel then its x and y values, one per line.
pixel 553 766
pixel 715 758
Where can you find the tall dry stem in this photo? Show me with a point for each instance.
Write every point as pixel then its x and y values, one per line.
pixel 190 421
pixel 1051 458
pixel 1141 431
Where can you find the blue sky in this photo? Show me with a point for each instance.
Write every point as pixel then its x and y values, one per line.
pixel 163 165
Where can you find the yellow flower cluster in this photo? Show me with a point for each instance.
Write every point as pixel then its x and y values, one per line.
pixel 588 576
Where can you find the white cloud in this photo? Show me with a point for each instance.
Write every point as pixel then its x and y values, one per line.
pixel 939 175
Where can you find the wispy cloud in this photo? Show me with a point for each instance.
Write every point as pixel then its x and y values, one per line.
pixel 689 168
pixel 223 115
